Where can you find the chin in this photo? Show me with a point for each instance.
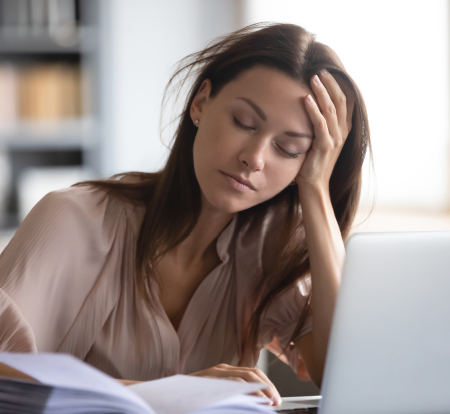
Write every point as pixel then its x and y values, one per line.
pixel 227 204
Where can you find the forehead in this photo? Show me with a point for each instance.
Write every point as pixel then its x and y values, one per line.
pixel 264 81
pixel 278 95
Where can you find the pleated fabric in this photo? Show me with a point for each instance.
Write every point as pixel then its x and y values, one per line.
pixel 67 284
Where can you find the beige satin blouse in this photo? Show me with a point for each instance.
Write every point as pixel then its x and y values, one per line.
pixel 67 285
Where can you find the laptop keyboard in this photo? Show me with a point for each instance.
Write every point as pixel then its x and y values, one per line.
pixel 300 411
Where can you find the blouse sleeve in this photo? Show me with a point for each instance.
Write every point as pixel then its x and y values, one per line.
pixel 50 267
pixel 282 317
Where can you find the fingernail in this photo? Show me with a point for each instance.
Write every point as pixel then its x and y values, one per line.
pixel 277 400
pixel 324 72
pixel 309 99
pixel 316 79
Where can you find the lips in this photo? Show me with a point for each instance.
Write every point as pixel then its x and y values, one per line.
pixel 241 180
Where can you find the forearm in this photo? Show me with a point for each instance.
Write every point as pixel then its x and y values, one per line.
pixel 326 253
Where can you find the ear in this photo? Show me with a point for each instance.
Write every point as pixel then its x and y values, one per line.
pixel 200 99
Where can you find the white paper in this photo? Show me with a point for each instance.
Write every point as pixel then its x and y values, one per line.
pixel 62 370
pixel 182 394
pixel 241 403
pixel 76 382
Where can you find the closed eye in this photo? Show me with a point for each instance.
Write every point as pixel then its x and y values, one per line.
pixel 242 126
pixel 287 153
pixel 281 149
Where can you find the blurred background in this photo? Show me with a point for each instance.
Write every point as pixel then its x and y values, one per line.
pixel 81 83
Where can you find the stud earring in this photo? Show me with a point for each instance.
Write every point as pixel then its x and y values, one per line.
pixel 293 182
pixel 196 122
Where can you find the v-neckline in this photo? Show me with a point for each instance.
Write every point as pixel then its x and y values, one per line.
pixel 222 245
pixel 199 288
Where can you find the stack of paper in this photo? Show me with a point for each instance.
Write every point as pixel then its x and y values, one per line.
pixel 69 386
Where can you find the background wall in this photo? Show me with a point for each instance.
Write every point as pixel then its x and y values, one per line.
pixel 397 52
pixel 141 47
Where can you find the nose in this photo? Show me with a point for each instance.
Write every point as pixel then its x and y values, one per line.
pixel 253 155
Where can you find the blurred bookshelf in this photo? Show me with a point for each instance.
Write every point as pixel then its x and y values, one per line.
pixel 48 73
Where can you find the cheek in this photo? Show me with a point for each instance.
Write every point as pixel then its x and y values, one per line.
pixel 207 151
pixel 201 155
pixel 209 156
pixel 215 145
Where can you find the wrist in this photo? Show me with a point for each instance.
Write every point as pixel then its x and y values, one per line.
pixel 312 188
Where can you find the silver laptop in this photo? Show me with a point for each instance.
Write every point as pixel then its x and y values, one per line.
pixel 389 349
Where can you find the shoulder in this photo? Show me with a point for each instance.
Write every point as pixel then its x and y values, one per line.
pixel 84 199
pixel 81 208
pixel 75 223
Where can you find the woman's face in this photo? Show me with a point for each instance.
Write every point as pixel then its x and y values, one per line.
pixel 252 138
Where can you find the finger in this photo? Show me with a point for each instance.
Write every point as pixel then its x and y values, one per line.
pixel 256 371
pixel 350 107
pixel 271 391
pixel 262 377
pixel 350 95
pixel 325 105
pixel 266 401
pixel 128 382
pixel 243 374
pixel 337 96
pixel 258 393
pixel 253 375
pixel 321 133
pixel 265 378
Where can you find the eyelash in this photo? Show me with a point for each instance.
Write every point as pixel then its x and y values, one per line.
pixel 241 125
pixel 246 128
pixel 289 154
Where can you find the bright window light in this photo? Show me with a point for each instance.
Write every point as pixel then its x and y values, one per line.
pixel 397 52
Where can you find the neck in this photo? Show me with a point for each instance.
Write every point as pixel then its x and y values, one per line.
pixel 201 243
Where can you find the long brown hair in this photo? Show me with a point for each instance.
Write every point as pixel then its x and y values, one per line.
pixel 172 195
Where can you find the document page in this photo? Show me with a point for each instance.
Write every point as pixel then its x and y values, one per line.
pixel 182 394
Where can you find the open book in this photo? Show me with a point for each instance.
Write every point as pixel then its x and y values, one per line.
pixel 68 386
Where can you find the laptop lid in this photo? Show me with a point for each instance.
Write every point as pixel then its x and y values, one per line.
pixel 389 348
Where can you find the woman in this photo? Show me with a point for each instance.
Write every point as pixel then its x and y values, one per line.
pixel 226 250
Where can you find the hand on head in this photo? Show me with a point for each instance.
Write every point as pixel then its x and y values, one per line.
pixel 331 115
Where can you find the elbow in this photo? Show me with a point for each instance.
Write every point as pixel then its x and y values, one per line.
pixel 316 376
pixel 310 372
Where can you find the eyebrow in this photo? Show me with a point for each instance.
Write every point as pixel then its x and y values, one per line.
pixel 263 116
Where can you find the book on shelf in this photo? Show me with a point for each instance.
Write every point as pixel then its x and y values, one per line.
pixel 50 91
pixel 68 385
pixel 40 92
